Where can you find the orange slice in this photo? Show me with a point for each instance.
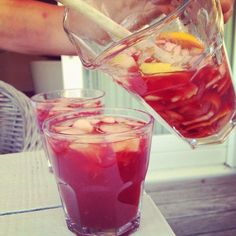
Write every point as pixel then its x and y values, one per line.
pixel 186 40
pixel 158 67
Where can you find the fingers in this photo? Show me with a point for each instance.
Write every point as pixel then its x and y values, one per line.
pixel 227 8
pixel 163 2
pixel 226 5
pixel 227 15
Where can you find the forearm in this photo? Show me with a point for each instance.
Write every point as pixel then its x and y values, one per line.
pixel 33 27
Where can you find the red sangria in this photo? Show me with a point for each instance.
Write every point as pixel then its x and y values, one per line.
pixel 62 101
pixel 168 54
pixel 193 92
pixel 100 163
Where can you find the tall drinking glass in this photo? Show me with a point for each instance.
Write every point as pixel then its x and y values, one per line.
pixel 100 159
pixel 55 102
pixel 173 60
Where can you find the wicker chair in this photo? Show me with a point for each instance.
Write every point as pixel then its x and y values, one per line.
pixel 18 128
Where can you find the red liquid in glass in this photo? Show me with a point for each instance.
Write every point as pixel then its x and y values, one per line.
pixel 100 183
pixel 191 91
pixel 53 107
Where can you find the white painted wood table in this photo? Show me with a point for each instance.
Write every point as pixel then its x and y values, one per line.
pixel 30 204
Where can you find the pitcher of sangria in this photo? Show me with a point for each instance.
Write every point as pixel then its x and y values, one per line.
pixel 170 54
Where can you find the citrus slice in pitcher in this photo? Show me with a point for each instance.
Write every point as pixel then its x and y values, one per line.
pixel 158 67
pixel 184 39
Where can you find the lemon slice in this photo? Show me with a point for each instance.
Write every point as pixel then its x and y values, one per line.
pixel 158 67
pixel 186 40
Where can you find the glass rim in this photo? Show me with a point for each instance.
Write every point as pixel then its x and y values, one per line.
pixel 76 114
pixel 39 97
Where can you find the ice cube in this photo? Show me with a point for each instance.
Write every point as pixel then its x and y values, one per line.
pixel 124 60
pixel 114 128
pixel 82 147
pixel 75 105
pixel 93 152
pixel 169 46
pixel 129 145
pixel 61 108
pixel 109 120
pixel 59 129
pixel 134 123
pixel 84 125
pixel 174 115
pixel 44 106
pixel 94 121
pixel 222 70
pixel 121 120
pixel 72 130
pixel 177 50
pixel 90 104
pixel 223 114
pixel 205 117
pixel 213 81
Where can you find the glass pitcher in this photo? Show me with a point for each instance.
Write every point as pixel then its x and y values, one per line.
pixel 172 59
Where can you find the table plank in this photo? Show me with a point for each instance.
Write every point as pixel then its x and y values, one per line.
pixel 222 233
pixel 26 182
pixel 51 222
pixel 36 223
pixel 198 207
pixel 194 193
pixel 191 183
pixel 200 224
pixel 203 207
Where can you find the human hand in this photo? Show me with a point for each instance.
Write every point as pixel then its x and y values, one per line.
pixel 131 14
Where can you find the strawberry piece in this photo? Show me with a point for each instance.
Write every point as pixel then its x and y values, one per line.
pixel 185 92
pixel 223 113
pixel 166 81
pixel 213 99
pixel 199 119
pixel 174 116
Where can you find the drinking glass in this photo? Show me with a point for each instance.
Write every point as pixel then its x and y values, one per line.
pixel 172 59
pixel 100 159
pixel 55 102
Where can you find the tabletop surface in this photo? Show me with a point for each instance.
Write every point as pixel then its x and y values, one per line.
pixel 30 204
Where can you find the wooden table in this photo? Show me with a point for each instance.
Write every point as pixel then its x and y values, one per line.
pixel 30 204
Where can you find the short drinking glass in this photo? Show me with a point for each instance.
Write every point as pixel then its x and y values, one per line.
pixel 100 159
pixel 52 103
